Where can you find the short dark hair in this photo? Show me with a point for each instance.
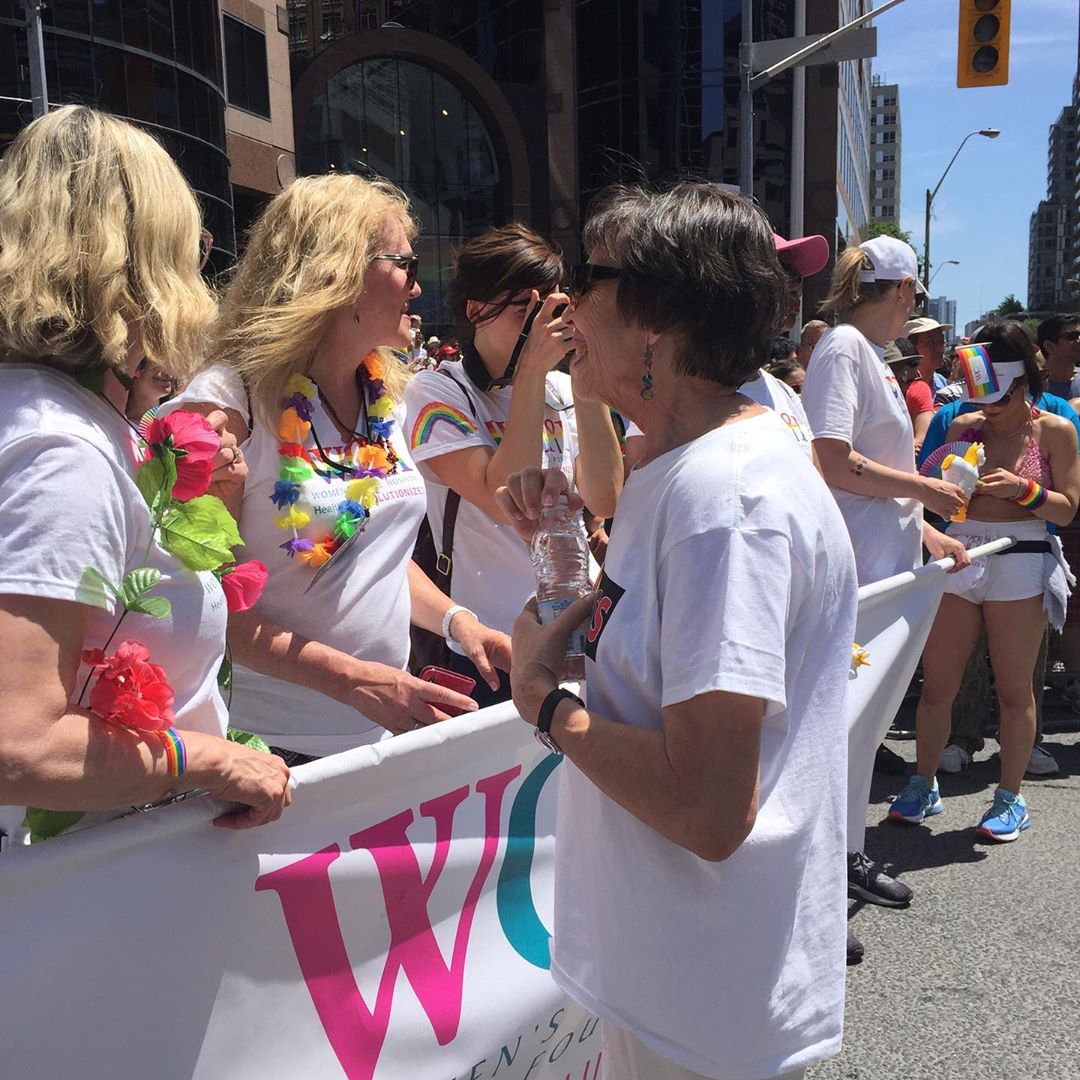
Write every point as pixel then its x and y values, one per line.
pixel 699 263
pixel 1009 341
pixel 1050 329
pixel 782 348
pixel 497 266
pixel 783 369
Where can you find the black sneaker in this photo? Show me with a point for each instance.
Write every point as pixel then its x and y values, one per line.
pixel 855 949
pixel 889 762
pixel 867 881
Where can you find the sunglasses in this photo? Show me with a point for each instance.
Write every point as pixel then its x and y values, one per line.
pixel 408 263
pixel 584 276
pixel 1007 396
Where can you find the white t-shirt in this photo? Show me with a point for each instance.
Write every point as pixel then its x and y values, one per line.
pixel 774 394
pixel 68 501
pixel 729 569
pixel 851 394
pixel 492 573
pixel 359 605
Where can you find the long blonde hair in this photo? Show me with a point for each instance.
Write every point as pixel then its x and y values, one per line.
pixel 306 258
pixel 99 237
pixel 847 290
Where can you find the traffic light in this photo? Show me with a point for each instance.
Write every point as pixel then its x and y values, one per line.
pixel 983 53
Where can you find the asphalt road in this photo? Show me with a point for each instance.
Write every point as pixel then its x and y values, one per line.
pixel 979 979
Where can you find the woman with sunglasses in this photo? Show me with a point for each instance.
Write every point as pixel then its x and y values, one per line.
pixel 499 409
pixel 1031 477
pixel 332 500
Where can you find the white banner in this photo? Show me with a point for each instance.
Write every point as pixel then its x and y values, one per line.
pixel 393 925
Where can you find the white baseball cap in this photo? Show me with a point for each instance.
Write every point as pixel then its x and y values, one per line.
pixel 891 260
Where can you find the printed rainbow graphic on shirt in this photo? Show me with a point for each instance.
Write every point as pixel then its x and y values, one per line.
pixel 435 413
pixel 553 435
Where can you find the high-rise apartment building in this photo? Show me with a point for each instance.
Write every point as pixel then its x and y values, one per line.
pixel 944 310
pixel 885 135
pixel 1051 235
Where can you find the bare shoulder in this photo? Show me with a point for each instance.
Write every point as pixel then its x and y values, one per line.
pixel 971 421
pixel 1057 430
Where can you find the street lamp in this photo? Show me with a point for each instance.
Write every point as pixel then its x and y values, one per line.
pixel 989 133
pixel 947 262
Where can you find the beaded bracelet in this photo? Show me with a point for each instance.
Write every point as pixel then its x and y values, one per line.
pixel 175 751
pixel 1032 497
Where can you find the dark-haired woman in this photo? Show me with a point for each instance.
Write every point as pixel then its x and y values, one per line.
pixel 700 885
pixel 472 423
pixel 1031 476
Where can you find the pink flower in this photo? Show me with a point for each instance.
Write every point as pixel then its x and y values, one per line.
pixel 196 442
pixel 243 585
pixel 130 690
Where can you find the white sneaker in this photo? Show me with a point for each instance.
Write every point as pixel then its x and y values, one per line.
pixel 955 759
pixel 1041 763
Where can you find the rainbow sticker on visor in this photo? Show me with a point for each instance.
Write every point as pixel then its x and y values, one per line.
pixel 980 379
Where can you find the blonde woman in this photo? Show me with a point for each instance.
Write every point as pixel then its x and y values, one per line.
pixel 99 249
pixel 332 501
pixel 866 446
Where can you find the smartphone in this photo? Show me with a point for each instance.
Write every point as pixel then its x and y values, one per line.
pixel 507 377
pixel 462 684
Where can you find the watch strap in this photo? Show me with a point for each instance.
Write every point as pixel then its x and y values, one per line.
pixel 547 714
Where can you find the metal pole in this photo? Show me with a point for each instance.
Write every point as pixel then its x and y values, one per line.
pixel 926 245
pixel 35 49
pixel 798 132
pixel 746 102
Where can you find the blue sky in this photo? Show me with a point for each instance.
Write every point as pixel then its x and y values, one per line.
pixel 982 212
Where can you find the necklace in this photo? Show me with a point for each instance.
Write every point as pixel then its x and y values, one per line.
pixel 1031 418
pixel 372 461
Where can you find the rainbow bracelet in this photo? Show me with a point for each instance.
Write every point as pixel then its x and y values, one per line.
pixel 175 751
pixel 1033 496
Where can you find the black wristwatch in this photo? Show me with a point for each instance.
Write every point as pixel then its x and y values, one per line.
pixel 547 714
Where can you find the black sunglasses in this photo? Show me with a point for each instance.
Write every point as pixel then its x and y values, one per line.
pixel 1020 384
pixel 584 276
pixel 408 263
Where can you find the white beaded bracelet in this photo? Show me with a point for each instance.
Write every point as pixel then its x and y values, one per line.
pixel 448 618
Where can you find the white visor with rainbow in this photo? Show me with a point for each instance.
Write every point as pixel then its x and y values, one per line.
pixel 985 382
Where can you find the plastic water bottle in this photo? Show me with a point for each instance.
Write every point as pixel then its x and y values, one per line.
pixel 560 557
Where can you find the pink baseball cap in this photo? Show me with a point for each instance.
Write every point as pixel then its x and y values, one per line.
pixel 807 255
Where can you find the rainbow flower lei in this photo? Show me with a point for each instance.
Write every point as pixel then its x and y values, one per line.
pixel 372 462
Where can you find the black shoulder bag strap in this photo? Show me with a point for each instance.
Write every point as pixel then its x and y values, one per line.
pixel 444 556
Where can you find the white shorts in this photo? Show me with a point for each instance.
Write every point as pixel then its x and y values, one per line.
pixel 625 1057
pixel 1012 575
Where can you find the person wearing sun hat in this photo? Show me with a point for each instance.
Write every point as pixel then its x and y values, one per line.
pixel 1031 477
pixel 865 442
pixel 801 258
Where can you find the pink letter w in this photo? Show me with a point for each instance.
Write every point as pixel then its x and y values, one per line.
pixel 356 1032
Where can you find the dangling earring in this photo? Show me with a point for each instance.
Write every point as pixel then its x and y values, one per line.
pixel 356 318
pixel 646 378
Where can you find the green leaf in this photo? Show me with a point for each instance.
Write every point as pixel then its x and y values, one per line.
pixel 94 589
pixel 45 824
pixel 156 478
pixel 245 738
pixel 201 533
pixel 157 607
pixel 138 583
pixel 225 675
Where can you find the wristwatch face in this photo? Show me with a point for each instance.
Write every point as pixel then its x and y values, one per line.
pixel 545 740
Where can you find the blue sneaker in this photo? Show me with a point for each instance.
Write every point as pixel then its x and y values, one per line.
pixel 918 800
pixel 1006 819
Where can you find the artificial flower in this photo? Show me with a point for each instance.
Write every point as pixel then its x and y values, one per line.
pixel 319 554
pixel 295 469
pixel 291 428
pixel 381 409
pixel 293 519
pixel 372 459
pixel 859 656
pixel 243 584
pixel 296 546
pixel 304 406
pixel 130 690
pixel 381 429
pixel 194 443
pixel 375 366
pixel 301 384
pixel 285 493
pixel 363 491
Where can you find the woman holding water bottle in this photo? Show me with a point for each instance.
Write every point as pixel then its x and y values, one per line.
pixel 498 409
pixel 700 815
